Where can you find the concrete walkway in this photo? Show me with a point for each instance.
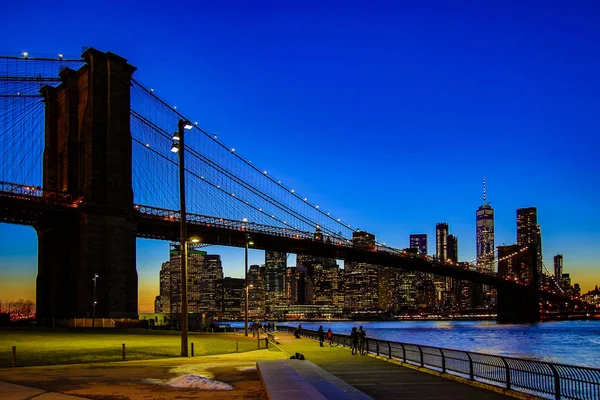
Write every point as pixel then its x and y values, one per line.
pixel 381 379
pixel 10 391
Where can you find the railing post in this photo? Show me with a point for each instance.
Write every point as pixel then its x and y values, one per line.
pixel 443 361
pixel 403 352
pixel 471 373
pixel 390 350
pixel 422 361
pixel 377 346
pixel 556 382
pixel 507 372
pixel 367 344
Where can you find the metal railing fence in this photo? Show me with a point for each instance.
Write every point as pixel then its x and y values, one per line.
pixel 544 379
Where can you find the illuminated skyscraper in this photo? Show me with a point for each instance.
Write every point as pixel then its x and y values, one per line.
pixel 452 248
pixel 441 241
pixel 484 218
pixel 361 279
pixel 528 232
pixel 170 281
pixel 275 268
pixel 558 266
pixel 419 241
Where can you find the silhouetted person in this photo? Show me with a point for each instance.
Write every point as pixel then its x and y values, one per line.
pixel 321 335
pixel 361 340
pixel 354 340
pixel 329 337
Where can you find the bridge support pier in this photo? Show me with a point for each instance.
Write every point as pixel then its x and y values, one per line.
pixel 518 304
pixel 87 154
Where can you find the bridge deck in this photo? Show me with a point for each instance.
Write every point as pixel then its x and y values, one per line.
pixel 380 379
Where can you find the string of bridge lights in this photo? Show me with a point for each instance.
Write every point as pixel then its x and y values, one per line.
pixel 218 187
pixel 232 150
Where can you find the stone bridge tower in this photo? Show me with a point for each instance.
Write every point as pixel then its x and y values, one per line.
pixel 87 154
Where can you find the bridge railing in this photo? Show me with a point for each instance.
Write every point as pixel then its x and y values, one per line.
pixel 544 379
pixel 37 194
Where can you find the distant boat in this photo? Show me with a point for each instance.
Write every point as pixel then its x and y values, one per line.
pixel 372 314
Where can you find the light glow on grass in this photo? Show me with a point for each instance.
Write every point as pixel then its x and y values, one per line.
pixel 62 346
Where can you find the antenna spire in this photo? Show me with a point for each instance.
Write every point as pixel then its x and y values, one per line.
pixel 484 191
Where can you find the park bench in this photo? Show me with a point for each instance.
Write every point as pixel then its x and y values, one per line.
pixel 296 379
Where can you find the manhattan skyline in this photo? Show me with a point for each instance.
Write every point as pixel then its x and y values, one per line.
pixel 388 115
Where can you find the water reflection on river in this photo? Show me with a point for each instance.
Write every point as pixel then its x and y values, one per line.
pixel 565 342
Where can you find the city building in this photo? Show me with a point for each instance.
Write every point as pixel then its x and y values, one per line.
pixel 210 273
pixel 441 241
pixel 361 279
pixel 256 291
pixel 592 297
pixel 418 241
pixel 452 249
pixel 274 277
pixel 484 220
pixel 558 266
pixel 170 282
pixel 528 232
pixel 228 298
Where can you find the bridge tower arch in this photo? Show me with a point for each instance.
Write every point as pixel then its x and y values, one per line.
pixel 521 303
pixel 87 154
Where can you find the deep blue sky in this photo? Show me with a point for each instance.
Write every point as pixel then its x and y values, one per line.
pixel 388 114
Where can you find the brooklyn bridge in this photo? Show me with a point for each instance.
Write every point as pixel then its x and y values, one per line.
pixel 87 162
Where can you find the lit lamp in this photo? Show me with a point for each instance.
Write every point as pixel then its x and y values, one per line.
pixel 178 147
pixel 248 242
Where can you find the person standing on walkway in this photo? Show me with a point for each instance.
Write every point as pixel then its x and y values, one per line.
pixel 361 341
pixel 354 340
pixel 329 337
pixel 321 335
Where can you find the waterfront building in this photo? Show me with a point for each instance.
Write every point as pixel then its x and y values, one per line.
pixel 529 232
pixel 325 281
pixel 256 292
pixel 210 272
pixel 305 311
pixel 274 278
pixel 388 287
pixel 170 281
pixel 592 297
pixel 228 298
pixel 484 220
pixel 361 278
pixel 418 241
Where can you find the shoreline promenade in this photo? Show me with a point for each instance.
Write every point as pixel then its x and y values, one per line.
pixel 383 380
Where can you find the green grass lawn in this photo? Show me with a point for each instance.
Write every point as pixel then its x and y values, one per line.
pixel 62 346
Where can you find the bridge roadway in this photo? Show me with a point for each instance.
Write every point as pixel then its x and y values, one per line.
pixel 24 205
pixel 382 379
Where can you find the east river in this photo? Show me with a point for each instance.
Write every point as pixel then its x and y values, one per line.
pixel 564 342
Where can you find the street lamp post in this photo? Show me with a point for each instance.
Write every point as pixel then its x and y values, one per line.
pixel 94 304
pixel 179 146
pixel 246 284
pixel 248 242
pixel 246 319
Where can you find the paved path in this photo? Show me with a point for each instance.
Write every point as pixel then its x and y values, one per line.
pixel 378 378
pixel 10 391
